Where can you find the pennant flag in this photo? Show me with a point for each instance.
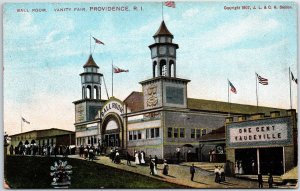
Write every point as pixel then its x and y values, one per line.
pixel 294 79
pixel 170 4
pixel 263 81
pixel 98 41
pixel 24 120
pixel 232 88
pixel 119 70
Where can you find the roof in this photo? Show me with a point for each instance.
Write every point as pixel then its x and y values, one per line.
pixel 163 30
pixel 90 62
pixel 217 134
pixel 225 107
pixel 52 129
pixel 135 101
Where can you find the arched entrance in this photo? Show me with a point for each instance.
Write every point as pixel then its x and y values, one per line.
pixel 112 129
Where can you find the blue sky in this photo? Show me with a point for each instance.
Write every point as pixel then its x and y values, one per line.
pixel 44 54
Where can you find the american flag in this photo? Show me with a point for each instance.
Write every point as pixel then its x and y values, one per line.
pixel 232 88
pixel 98 41
pixel 24 120
pixel 119 70
pixel 294 79
pixel 261 80
pixel 170 4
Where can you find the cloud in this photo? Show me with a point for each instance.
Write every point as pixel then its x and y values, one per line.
pixel 190 13
pixel 228 34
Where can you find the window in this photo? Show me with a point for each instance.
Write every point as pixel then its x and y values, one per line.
pixel 156 132
pixel 170 132
pixel 181 135
pixel 147 133
pixel 193 133
pixel 134 135
pixel 198 131
pixel 152 133
pixel 175 132
pixel 139 134
pixel 203 132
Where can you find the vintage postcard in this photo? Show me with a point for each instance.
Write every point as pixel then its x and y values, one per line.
pixel 150 95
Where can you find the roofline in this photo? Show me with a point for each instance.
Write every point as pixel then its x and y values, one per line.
pixel 166 43
pixel 131 94
pixel 43 130
pixel 164 78
pixel 209 140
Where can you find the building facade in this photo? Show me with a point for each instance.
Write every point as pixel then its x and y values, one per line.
pixel 44 137
pixel 160 120
pixel 262 144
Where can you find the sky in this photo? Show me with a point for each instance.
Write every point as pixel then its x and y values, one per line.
pixel 43 54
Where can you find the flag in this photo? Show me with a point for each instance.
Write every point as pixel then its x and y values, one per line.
pixel 294 79
pixel 170 4
pixel 24 120
pixel 98 41
pixel 119 70
pixel 263 81
pixel 232 88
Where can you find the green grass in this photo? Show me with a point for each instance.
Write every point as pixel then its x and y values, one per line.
pixel 34 172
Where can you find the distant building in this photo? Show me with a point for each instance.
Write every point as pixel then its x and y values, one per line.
pixel 44 137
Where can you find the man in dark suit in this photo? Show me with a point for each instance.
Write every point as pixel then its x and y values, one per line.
pixel 192 171
pixel 152 167
pixel 128 158
pixel 260 181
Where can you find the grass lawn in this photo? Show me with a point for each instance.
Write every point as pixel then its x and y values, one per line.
pixel 34 172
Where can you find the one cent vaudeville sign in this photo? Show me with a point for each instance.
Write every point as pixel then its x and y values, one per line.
pixel 269 131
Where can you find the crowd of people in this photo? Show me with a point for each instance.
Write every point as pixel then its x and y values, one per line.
pixel 43 150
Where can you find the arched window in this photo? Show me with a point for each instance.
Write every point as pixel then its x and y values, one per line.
pixel 163 68
pixel 96 93
pixel 172 68
pixel 154 69
pixel 88 92
pixel 83 92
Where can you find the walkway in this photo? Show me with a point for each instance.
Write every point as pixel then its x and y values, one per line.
pixel 180 174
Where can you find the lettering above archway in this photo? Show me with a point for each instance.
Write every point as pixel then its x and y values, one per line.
pixel 112 105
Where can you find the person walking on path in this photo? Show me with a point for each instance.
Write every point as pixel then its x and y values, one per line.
pixel 152 167
pixel 270 180
pixel 136 156
pixel 166 168
pixel 128 158
pixel 222 174
pixel 217 173
pixel 192 171
pixel 155 161
pixel 260 181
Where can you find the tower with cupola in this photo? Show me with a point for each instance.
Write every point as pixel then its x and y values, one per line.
pixel 164 89
pixel 87 107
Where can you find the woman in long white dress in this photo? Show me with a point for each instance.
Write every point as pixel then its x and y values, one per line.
pixel 241 170
pixel 236 167
pixel 154 170
pixel 136 156
pixel 142 158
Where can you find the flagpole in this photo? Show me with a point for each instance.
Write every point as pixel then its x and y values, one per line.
pixel 256 93
pixel 228 96
pixel 105 87
pixel 290 88
pixel 112 78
